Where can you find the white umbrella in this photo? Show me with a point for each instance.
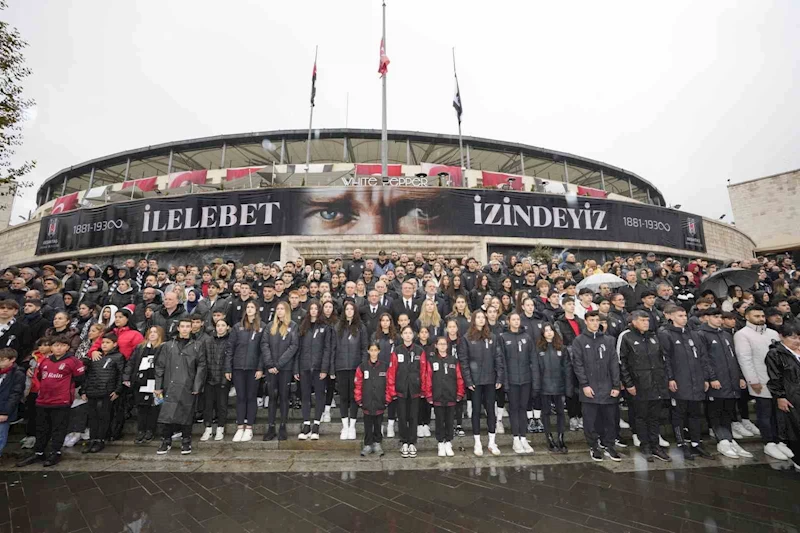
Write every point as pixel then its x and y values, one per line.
pixel 595 280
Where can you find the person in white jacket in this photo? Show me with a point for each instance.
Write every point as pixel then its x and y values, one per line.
pixel 752 343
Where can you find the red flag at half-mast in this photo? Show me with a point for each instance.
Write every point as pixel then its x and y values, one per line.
pixel 383 66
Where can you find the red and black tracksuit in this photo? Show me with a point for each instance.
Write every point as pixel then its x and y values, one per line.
pixel 57 381
pixel 444 388
pixel 374 390
pixel 409 376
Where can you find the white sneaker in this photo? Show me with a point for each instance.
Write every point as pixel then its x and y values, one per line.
pixel 724 447
pixel 412 451
pixel 736 433
pixel 741 452
pixel 773 451
pixel 752 428
pixel 427 429
pixel 345 429
pixel 478 449
pixel 333 403
pixel 580 422
pixel 266 402
pixel 220 433
pixel 493 449
pixel 390 429
pixel 573 423
pixel 636 441
pixel 326 416
pixel 232 392
pixel 743 431
pixel 72 439
pixel 786 450
pixel 84 436
pixel 29 442
pixel 442 452
pixel 448 449
pixel 247 435
pixel 526 445
pixel 237 437
pixel 623 424
pixel 260 403
pixel 420 432
pixel 351 432
pixel 206 435
pixel 663 442
pixel 518 447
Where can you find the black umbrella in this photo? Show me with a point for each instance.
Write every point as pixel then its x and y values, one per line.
pixel 720 281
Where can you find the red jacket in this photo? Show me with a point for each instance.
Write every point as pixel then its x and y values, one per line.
pixel 127 340
pixel 58 378
pixel 378 392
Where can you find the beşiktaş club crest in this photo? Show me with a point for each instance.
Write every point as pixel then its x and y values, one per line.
pixel 52 227
pixel 691 226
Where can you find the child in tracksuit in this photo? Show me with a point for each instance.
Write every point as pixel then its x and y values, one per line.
pixel 102 386
pixel 424 418
pixel 40 353
pixel 58 375
pixel 409 376
pixel 444 388
pixel 374 390
pixel 12 388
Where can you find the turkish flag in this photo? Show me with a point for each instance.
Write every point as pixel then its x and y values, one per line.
pixel 237 173
pixel 375 170
pixel 594 193
pixel 496 179
pixel 455 173
pixel 65 203
pixel 144 184
pixel 383 66
pixel 180 179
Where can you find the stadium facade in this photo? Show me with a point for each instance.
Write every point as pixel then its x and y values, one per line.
pixel 251 197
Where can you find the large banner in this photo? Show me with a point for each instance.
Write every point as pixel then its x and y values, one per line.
pixel 369 211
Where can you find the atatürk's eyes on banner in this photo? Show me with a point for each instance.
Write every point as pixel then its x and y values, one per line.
pixel 369 211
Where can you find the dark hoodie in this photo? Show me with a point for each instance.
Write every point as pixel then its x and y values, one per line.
pixel 72 309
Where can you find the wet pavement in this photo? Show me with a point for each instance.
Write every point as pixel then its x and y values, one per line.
pixel 550 497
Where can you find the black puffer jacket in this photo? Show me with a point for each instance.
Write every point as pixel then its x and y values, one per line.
pixel 686 362
pixel 555 368
pixel 103 376
pixel 642 365
pixel 411 364
pixel 215 359
pixel 482 362
pixel 784 382
pixel 314 348
pixel 278 351
pixel 533 324
pixel 349 350
pixel 519 359
pixel 170 322
pixel 243 351
pixel 722 359
pixel 596 365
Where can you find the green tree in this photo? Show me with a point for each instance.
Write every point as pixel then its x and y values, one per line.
pixel 13 106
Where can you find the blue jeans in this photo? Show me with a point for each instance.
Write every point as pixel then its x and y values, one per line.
pixel 3 436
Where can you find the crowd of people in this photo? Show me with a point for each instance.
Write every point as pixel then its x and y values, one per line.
pixel 406 338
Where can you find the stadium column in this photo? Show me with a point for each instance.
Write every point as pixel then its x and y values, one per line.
pixel 222 157
pixel 602 180
pixel 522 162
pixel 91 179
pixel 630 187
pixel 566 172
pixel 469 165
pixel 127 169
pixel 169 164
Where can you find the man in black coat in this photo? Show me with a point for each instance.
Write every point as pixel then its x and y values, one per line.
pixel 13 333
pixel 645 379
pixel 33 320
pixel 632 291
pixel 356 268
pixel 371 311
pixel 406 303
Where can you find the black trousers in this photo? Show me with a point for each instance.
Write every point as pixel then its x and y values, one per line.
pixel 120 409
pixel 721 412
pixel 445 415
pixel 574 406
pixel 215 404
pixel 147 418
pixel 687 413
pixel 246 389
pixel 500 397
pixel 51 427
pixel 345 381
pixel 330 389
pixel 309 379
pixel 372 429
pixel 458 413
pixel 30 414
pixel 100 410
pixel 558 401
pixel 408 414
pixel 279 385
pixel 647 415
pixel 743 405
pixel 517 404
pixel 167 430
pixel 535 404
pixel 483 395
pixel 767 420
pixel 598 423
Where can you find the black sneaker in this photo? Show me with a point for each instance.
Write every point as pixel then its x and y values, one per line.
pixel 186 447
pixel 53 459
pixel 282 433
pixel 699 450
pixel 148 436
pixel 460 431
pixel 166 446
pixel 270 434
pixel 687 452
pixel 88 448
pixel 531 425
pixel 30 459
pixel 612 454
pixel 648 455
pixel 99 446
pixel 538 427
pixel 139 438
pixel 596 454
pixel 660 454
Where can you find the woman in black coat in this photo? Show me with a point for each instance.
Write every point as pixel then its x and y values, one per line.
pixel 278 350
pixel 555 369
pixel 350 349
pixel 312 364
pixel 783 367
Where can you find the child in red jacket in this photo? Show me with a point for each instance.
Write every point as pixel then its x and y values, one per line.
pixel 444 388
pixel 409 377
pixel 374 390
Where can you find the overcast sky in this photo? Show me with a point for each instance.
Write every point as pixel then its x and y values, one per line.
pixel 687 94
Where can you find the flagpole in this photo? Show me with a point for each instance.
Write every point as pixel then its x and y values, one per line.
pixel 384 134
pixel 460 140
pixel 311 115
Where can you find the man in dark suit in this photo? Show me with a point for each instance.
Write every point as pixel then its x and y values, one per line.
pixel 431 294
pixel 383 295
pixel 406 303
pixel 372 310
